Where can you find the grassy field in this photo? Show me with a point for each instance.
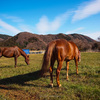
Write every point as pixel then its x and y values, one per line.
pixel 24 83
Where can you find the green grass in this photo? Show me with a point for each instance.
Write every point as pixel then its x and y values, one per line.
pixel 24 80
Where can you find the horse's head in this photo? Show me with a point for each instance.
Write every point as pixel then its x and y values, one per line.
pixel 27 60
pixel 79 56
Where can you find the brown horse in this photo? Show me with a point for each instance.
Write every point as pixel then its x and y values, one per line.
pixel 60 50
pixel 13 52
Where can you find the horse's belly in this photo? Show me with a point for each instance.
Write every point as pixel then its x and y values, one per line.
pixel 69 58
pixel 8 56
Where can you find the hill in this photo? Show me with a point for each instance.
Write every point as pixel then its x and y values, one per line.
pixel 34 41
pixel 4 37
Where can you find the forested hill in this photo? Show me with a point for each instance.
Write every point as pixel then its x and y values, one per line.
pixel 36 42
pixel 4 37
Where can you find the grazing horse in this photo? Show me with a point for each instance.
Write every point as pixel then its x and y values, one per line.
pixel 13 52
pixel 60 50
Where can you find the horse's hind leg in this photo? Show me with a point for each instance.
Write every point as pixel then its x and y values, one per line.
pixel 15 58
pixel 76 63
pixel 67 67
pixel 51 71
pixel 58 72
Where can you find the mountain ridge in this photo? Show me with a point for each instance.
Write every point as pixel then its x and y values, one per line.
pixel 33 41
pixel 3 37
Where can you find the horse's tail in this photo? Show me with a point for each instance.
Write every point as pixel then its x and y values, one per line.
pixel 47 57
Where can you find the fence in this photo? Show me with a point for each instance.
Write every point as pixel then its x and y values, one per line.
pixel 37 52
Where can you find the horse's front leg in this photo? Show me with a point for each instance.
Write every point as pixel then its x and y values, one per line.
pixel 58 72
pixel 15 61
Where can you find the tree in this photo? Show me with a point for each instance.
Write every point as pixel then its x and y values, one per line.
pixel 99 38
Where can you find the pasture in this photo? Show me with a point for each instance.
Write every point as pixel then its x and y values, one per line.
pixel 24 83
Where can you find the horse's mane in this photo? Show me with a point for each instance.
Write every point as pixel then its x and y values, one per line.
pixel 22 52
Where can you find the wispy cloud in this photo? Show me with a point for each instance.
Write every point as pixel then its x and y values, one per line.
pixel 74 31
pixel 20 25
pixel 27 28
pixel 8 27
pixel 93 35
pixel 12 18
pixel 2 30
pixel 44 25
pixel 87 9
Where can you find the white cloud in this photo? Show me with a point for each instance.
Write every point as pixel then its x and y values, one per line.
pixel 45 25
pixel 87 9
pixel 74 31
pixel 8 27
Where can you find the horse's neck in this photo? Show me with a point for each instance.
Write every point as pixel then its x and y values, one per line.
pixel 23 53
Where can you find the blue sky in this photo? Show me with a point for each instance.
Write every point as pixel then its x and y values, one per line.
pixel 50 17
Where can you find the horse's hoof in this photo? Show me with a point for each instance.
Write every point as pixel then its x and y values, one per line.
pixel 67 79
pixel 51 85
pixel 59 85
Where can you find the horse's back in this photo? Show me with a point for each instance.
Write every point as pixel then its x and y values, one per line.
pixel 10 51
pixel 65 50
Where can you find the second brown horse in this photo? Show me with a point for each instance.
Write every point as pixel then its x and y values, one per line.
pixel 60 50
pixel 13 52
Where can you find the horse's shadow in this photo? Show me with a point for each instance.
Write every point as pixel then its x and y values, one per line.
pixel 9 66
pixel 20 79
pixel 6 67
